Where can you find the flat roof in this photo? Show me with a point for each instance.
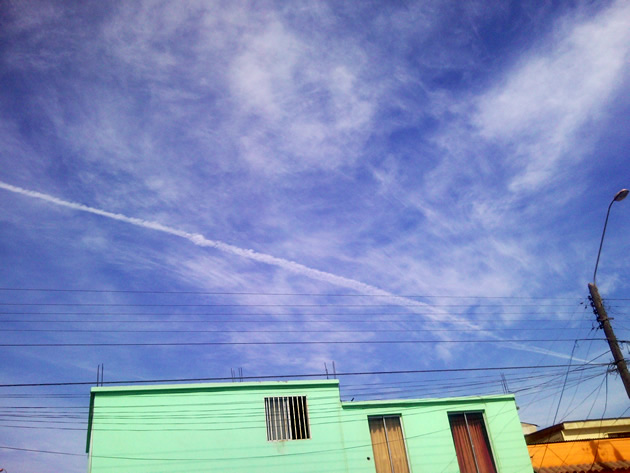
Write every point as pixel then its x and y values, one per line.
pixel 544 434
pixel 413 402
pixel 213 386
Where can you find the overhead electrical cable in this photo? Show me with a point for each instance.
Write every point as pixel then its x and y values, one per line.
pixel 294 376
pixel 251 293
pixel 476 313
pixel 301 330
pixel 289 342
pixel 419 305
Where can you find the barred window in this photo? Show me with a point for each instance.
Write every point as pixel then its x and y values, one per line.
pixel 287 418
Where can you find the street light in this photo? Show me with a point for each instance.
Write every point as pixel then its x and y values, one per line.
pixel 619 196
pixel 600 310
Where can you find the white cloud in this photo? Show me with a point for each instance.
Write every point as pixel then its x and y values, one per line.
pixel 299 105
pixel 554 91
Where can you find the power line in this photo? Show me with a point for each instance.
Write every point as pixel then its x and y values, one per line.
pixel 291 342
pixel 371 388
pixel 172 418
pixel 4 447
pixel 385 313
pixel 190 417
pixel 336 447
pixel 251 293
pixel 283 331
pixel 461 381
pixel 293 318
pixel 276 314
pixel 418 305
pixel 289 376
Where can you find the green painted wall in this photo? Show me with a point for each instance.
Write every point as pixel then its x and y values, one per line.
pixel 221 427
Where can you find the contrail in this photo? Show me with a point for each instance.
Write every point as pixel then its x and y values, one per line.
pixel 200 240
pixel 292 266
pixel 543 351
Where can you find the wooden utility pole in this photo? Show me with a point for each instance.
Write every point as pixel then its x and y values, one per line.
pixel 604 323
pixel 600 311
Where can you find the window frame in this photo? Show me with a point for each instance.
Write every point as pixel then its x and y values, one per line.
pixel 486 432
pixel 287 418
pixel 383 418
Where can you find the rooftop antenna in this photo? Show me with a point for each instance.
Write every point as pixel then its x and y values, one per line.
pixel 99 374
pixel 506 389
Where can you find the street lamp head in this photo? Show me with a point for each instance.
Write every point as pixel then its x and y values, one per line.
pixel 622 194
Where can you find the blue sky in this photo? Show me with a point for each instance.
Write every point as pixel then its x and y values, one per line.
pixel 315 171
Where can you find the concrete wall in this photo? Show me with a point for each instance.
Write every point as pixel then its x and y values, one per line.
pixel 580 452
pixel 428 433
pixel 211 428
pixel 222 427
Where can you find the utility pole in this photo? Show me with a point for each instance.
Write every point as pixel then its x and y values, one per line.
pixel 604 323
pixel 600 311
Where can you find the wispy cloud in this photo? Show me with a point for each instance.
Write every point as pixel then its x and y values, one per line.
pixel 298 100
pixel 556 89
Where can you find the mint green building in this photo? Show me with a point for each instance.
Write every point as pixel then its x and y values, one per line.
pixel 298 426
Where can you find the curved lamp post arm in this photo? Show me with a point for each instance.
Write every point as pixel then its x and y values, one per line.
pixel 601 242
pixel 622 194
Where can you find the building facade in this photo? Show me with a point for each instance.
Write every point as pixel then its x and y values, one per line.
pixel 581 430
pixel 599 445
pixel 299 426
pixel 600 455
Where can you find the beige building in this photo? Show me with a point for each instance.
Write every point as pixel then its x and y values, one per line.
pixel 581 430
pixel 528 428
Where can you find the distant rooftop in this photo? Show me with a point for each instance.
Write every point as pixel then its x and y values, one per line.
pixel 581 430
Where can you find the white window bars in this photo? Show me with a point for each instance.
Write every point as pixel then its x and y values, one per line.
pixel 287 418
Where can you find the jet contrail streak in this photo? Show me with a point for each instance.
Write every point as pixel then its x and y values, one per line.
pixel 200 240
pixel 292 266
